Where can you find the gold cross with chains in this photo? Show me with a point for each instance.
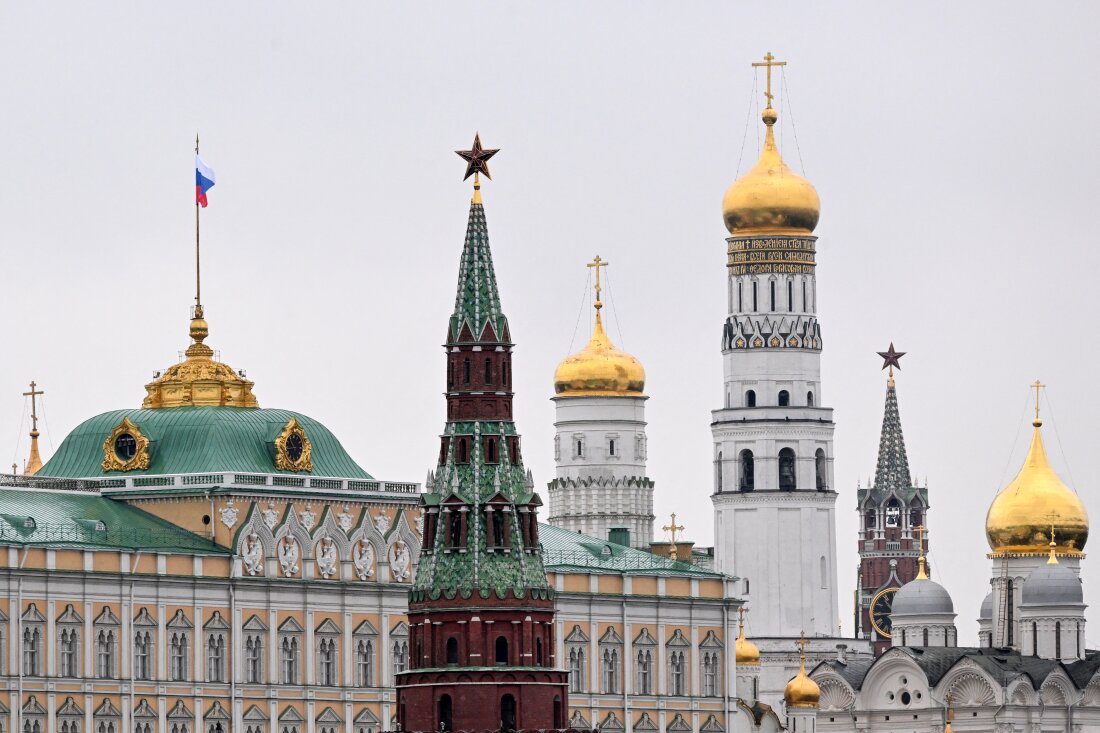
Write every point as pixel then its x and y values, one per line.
pixel 598 263
pixel 1037 386
pixel 672 529
pixel 34 405
pixel 768 62
pixel 802 645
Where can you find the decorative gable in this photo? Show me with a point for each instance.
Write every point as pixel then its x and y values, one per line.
pixel 645 723
pixel 611 722
pixel 579 722
pixel 216 712
pixel 107 618
pixel 645 638
pixel 216 623
pixel 290 626
pixel 366 717
pixel 712 726
pixel 365 629
pixel 69 708
pixel 255 713
pixel 180 621
pixel 328 715
pixel 291 715
pixel 611 637
pixel 180 711
pixel 33 616
pixel 711 641
pixel 31 707
pixel 679 724
pixel 145 710
pixel 328 628
pixel 401 629
pixel 68 616
pixel 678 639
pixel 107 709
pixel 254 623
pixel 144 619
pixel 576 636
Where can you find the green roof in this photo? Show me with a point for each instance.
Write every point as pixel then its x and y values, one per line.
pixel 69 519
pixel 565 551
pixel 477 302
pixel 189 440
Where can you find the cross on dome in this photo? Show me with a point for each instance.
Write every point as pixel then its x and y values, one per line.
pixel 768 62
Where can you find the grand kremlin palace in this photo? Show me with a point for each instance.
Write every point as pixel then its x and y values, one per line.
pixel 201 563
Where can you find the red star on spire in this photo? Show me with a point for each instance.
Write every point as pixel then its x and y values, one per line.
pixel 891 357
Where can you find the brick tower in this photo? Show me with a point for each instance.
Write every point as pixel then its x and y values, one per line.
pixel 890 512
pixel 481 614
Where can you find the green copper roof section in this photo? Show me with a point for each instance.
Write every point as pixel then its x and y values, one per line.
pixel 892 471
pixel 565 551
pixel 192 440
pixel 86 520
pixel 477 301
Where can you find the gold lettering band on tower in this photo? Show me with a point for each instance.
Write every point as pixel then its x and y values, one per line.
pixel 764 255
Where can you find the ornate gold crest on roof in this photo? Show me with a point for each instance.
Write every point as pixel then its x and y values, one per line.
pixel 199 381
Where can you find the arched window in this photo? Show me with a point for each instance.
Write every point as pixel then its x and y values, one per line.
pixel 925 636
pixel 452 650
pixel 790 295
pixel 465 371
pixel 502 650
pixel 488 371
pixel 504 373
pixel 507 712
pixel 750 398
pixel 784 398
pixel 1058 640
pixel 819 470
pixel 740 306
pixel 773 295
pixel 787 479
pixel 893 513
pixel 498 529
pixel 748 471
pixel 538 652
pixel 446 713
pixel 809 399
pixel 805 305
pixel 463 451
pixel 644 672
pixel 824 572
pixel 1034 639
pixel 326 662
pixel 1010 605
pixel 576 669
pixel 755 289
pixel 559 713
pixel 455 534
pixel 871 520
pixel 491 450
pixel 676 673
pixel 903 637
pixel 611 447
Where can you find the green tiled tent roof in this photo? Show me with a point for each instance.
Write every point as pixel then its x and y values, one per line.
pixel 565 551
pixel 201 440
pixel 65 519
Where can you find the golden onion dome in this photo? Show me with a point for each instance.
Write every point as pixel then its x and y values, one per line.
pixel 1034 506
pixel 599 369
pixel 771 198
pixel 746 652
pixel 199 380
pixel 801 691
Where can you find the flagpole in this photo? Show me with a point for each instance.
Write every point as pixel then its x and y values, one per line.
pixel 198 276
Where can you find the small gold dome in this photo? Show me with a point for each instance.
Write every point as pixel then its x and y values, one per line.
pixel 771 198
pixel 199 381
pixel 746 652
pixel 1022 516
pixel 801 691
pixel 599 369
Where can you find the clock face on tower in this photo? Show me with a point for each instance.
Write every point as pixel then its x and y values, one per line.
pixel 881 606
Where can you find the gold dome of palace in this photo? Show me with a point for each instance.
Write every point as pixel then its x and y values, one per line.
pixel 801 691
pixel 1024 514
pixel 599 369
pixel 199 380
pixel 771 198
pixel 745 651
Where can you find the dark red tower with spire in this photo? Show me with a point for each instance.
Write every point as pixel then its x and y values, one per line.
pixel 481 614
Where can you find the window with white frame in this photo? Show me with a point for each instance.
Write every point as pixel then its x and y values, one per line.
pixel 70 717
pixel 364 662
pixel 290 647
pixel 327 636
pixel 254 658
pixel 179 646
pixel 711 650
pixel 68 652
pixel 576 669
pixel 645 647
pixel 676 672
pixel 611 652
pixel 106 629
pixel 216 631
pixel 145 635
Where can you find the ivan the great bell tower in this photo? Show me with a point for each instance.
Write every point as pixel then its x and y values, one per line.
pixel 773 494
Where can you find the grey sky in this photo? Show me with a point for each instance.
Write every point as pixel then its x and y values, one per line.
pixel 953 145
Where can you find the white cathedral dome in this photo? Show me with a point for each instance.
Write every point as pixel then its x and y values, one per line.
pixel 921 597
pixel 1052 585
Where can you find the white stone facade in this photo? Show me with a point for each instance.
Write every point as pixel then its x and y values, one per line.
pixel 600 454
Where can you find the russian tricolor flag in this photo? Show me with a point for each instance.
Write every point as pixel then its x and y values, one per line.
pixel 204 181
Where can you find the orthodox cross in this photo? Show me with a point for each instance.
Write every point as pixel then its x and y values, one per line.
pixel 672 529
pixel 1037 386
pixel 891 358
pixel 802 645
pixel 1053 559
pixel 769 62
pixel 34 405
pixel 741 614
pixel 598 263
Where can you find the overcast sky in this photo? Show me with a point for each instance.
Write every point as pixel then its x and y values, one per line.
pixel 954 147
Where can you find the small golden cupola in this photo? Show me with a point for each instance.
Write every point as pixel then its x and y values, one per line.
pixel 199 380
pixel 771 198
pixel 801 691
pixel 1021 517
pixel 745 651
pixel 599 369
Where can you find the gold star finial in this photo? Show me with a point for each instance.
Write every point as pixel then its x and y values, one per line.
pixel 768 62
pixel 1037 385
pixel 598 263
pixel 477 162
pixel 672 529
